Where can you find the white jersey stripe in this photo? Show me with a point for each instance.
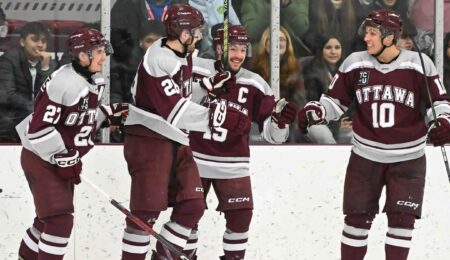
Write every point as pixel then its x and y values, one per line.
pixel 400 232
pixel 360 232
pixel 135 249
pixel 30 243
pixel 136 238
pixel 234 247
pixel 54 239
pixel 398 242
pixel 53 250
pixel 235 236
pixel 354 242
pixel 220 158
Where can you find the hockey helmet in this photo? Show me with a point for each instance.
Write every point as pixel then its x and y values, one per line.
pixel 387 21
pixel 85 40
pixel 181 17
pixel 236 34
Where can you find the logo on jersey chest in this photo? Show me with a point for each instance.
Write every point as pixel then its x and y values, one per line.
pixel 84 104
pixel 363 78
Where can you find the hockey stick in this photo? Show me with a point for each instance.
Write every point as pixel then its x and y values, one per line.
pixel 135 219
pixel 433 111
pixel 226 22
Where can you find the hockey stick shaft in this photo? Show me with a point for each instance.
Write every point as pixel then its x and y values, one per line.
pixel 433 111
pixel 135 219
pixel 226 22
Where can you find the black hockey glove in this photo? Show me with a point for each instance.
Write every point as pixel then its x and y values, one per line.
pixel 115 114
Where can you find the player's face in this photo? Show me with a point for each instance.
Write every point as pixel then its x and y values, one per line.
pixel 332 51
pixel 337 3
pixel 236 56
pixel 34 45
pixel 98 57
pixel 372 38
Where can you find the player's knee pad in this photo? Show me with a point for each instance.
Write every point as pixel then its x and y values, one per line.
pixel 188 213
pixel 148 217
pixel 401 220
pixel 363 221
pixel 238 220
pixel 60 225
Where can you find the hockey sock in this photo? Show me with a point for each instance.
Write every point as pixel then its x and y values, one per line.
pixel 136 242
pixel 399 235
pixel 29 246
pixel 191 245
pixel 235 237
pixel 355 236
pixel 176 235
pixel 55 237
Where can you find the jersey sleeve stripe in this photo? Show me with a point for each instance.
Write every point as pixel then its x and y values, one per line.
pixel 42 137
pixel 177 111
pixel 220 158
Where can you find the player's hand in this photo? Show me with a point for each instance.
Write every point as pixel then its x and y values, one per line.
pixel 284 113
pixel 215 82
pixel 440 135
pixel 69 166
pixel 229 118
pixel 115 114
pixel 313 113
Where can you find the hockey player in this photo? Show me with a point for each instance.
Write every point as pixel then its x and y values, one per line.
pixel 55 138
pixel 223 159
pixel 156 148
pixel 388 88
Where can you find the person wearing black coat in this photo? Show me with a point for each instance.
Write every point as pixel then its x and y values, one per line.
pixel 22 72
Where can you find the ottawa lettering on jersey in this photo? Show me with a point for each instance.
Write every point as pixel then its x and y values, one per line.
pixel 385 93
pixel 77 118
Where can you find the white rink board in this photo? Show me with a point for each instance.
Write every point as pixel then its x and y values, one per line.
pixel 297 192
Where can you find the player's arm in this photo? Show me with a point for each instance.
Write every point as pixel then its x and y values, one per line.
pixel 42 134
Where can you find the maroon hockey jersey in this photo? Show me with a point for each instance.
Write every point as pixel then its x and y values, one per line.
pixel 390 104
pixel 64 117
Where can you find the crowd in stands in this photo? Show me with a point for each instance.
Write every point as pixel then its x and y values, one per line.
pixel 315 37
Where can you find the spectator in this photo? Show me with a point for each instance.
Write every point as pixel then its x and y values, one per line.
pixel 291 76
pixel 422 15
pixel 319 72
pixel 131 15
pixel 332 17
pixel 293 14
pixel 447 62
pixel 3 24
pixel 212 11
pixel 22 72
pixel 406 39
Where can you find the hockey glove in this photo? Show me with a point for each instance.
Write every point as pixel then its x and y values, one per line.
pixel 284 113
pixel 115 114
pixel 440 135
pixel 313 113
pixel 69 166
pixel 215 83
pixel 229 118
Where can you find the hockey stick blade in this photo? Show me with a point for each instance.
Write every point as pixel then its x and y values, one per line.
pixel 135 219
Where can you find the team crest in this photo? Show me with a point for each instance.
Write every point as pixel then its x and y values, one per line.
pixel 84 104
pixel 363 78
